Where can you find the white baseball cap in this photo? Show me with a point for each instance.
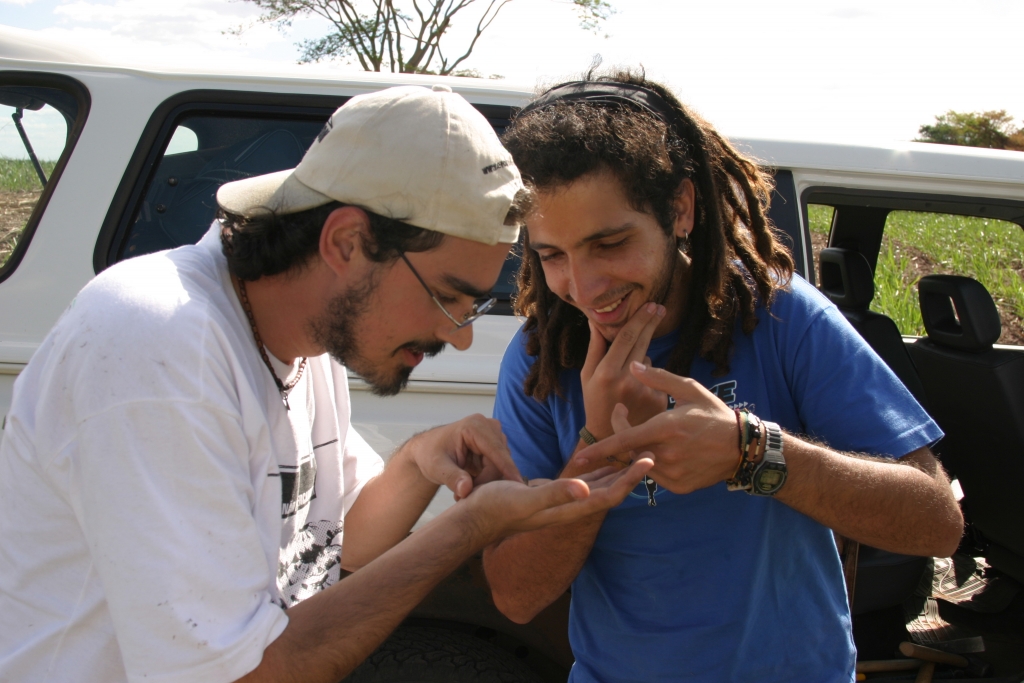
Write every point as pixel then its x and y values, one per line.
pixel 424 157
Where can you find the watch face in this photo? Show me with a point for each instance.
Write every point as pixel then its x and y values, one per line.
pixel 769 479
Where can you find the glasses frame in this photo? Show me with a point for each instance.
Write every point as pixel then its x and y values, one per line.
pixel 478 310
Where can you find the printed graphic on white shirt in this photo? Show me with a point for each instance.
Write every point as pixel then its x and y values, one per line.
pixel 297 486
pixel 310 563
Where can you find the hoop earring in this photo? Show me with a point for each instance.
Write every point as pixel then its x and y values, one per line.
pixel 683 243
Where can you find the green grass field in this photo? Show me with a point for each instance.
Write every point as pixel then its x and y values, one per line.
pixel 917 244
pixel 18 175
pixel 19 191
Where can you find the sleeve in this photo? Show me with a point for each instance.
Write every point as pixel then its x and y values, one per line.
pixel 527 423
pixel 845 394
pixel 166 501
pixel 360 464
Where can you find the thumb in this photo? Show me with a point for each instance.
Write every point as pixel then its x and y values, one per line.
pixel 455 478
pixel 596 350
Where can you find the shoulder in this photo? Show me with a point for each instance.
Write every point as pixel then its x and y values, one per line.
pixel 798 295
pixel 516 361
pixel 144 328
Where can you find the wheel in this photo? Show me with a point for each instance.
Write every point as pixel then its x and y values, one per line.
pixel 415 654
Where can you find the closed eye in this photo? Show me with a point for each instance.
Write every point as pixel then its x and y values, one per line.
pixel 548 257
pixel 612 245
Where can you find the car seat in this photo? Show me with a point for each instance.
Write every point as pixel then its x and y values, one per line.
pixel 883 579
pixel 976 394
pixel 848 282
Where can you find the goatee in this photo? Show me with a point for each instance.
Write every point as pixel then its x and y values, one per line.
pixel 335 331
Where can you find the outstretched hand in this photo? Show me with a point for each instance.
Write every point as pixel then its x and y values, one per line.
pixel 502 508
pixel 693 446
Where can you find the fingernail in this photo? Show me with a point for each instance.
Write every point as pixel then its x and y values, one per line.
pixel 639 367
pixel 652 308
pixel 661 311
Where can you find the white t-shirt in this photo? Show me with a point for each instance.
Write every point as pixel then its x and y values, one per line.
pixel 158 504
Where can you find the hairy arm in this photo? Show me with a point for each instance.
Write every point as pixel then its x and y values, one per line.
pixel 329 634
pixel 461 455
pixel 903 506
pixel 385 510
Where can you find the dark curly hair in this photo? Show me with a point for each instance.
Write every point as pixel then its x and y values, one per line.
pixel 736 257
pixel 270 244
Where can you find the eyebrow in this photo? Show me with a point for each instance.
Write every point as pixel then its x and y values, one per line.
pixel 463 287
pixel 599 235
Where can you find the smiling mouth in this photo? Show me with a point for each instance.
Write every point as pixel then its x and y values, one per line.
pixel 610 307
pixel 608 313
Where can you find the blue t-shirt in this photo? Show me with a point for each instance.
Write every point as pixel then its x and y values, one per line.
pixel 717 585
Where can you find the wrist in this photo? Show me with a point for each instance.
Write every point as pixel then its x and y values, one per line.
pixel 598 431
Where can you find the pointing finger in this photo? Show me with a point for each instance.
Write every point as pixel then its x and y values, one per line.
pixel 640 438
pixel 680 388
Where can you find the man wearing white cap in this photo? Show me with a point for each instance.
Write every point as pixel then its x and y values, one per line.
pixel 180 486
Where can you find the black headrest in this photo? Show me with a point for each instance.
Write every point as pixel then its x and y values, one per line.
pixel 846 278
pixel 958 312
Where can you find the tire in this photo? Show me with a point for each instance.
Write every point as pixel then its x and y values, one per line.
pixel 416 654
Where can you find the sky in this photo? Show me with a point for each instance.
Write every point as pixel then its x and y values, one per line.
pixel 838 70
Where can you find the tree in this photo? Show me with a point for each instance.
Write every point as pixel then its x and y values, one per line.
pixel 400 36
pixel 991 129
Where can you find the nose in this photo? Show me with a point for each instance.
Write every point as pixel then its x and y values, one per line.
pixel 461 339
pixel 585 283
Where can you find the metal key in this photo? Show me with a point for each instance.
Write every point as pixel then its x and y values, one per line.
pixel 652 488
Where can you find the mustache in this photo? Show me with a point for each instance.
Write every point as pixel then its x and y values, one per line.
pixel 428 348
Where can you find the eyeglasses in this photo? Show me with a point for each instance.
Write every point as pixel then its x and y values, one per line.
pixel 480 307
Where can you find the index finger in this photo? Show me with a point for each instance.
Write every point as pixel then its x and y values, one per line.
pixel 634 336
pixel 640 438
pixel 489 442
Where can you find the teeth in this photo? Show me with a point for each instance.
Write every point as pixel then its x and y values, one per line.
pixel 609 309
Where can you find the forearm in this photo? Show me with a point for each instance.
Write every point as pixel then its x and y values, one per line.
pixel 387 508
pixel 529 571
pixel 329 634
pixel 904 506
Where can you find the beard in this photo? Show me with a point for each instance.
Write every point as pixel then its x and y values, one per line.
pixel 336 332
pixel 665 281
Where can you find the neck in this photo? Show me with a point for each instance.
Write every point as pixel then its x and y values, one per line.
pixel 280 315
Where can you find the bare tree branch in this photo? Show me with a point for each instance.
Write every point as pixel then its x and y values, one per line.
pixel 379 33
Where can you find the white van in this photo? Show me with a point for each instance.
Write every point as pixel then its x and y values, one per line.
pixel 101 163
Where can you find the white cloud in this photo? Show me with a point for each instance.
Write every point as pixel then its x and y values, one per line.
pixel 20 3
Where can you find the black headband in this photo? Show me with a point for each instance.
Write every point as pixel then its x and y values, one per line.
pixel 606 92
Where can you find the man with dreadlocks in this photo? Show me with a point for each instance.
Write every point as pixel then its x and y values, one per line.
pixel 652 277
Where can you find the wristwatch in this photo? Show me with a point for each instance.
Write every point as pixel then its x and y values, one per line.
pixel 770 474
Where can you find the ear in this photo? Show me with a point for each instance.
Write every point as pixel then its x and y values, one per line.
pixel 341 237
pixel 686 207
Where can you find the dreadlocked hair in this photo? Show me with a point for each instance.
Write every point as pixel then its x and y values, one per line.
pixel 736 256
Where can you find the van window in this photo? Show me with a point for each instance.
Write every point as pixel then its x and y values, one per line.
pixel 35 126
pixel 915 244
pixel 203 153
